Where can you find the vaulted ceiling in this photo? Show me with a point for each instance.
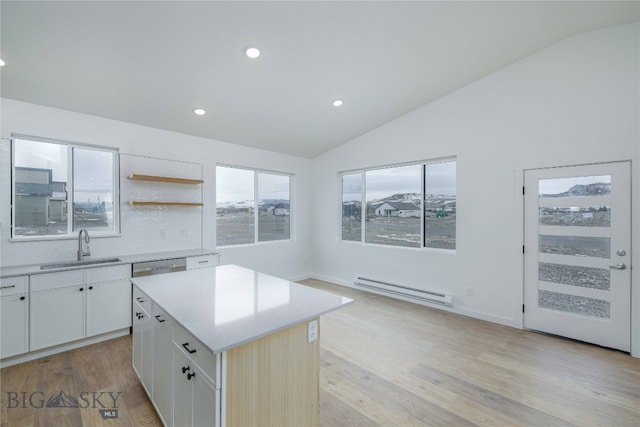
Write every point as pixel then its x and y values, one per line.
pixel 153 62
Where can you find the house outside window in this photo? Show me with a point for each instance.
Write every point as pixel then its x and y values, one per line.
pixel 61 187
pixel 410 205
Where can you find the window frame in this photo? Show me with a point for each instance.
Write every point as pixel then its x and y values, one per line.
pixel 256 212
pixel 114 231
pixel 363 214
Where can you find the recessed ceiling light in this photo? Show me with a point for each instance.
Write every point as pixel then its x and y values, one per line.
pixel 199 112
pixel 252 52
pixel 337 103
pixel 1 63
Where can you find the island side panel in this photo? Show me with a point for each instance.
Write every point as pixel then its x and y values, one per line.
pixel 274 380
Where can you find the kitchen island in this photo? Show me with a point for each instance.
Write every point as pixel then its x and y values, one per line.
pixel 229 346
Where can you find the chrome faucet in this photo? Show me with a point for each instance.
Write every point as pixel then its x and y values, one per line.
pixel 87 239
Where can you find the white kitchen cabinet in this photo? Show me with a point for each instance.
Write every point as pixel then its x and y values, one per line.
pixel 203 261
pixel 162 363
pixel 196 401
pixel 142 339
pixel 108 306
pixel 71 305
pixel 197 353
pixel 14 316
pixel 57 316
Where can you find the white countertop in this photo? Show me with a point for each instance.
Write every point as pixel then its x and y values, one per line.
pixel 19 270
pixel 227 306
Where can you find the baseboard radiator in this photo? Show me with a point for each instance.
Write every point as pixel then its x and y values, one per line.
pixel 404 291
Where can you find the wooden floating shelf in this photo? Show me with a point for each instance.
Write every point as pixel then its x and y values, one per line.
pixel 140 203
pixel 164 179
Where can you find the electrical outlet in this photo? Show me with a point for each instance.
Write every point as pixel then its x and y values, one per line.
pixel 312 331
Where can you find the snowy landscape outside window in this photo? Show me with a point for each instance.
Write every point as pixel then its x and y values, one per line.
pixel 252 206
pixel 410 205
pixel 60 188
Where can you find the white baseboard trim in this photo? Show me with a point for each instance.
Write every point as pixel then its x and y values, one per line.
pixel 514 323
pixel 33 355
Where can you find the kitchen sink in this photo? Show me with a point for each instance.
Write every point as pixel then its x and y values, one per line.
pixel 69 264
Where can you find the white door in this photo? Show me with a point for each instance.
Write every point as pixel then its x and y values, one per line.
pixel 577 253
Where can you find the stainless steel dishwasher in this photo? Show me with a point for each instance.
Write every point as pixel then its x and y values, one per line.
pixel 150 268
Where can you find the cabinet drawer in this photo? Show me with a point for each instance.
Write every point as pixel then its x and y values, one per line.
pixel 106 274
pixel 142 299
pixel 41 282
pixel 202 261
pixel 14 285
pixel 196 351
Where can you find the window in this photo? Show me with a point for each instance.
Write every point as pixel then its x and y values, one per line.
pixel 49 177
pixel 352 206
pixel 393 206
pixel 409 205
pixel 440 205
pixel 242 220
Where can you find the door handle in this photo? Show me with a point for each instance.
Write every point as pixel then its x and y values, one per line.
pixel 619 266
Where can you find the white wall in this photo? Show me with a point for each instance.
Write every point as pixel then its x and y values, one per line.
pixel 286 259
pixel 576 102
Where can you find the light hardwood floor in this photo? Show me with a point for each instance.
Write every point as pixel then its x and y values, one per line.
pixel 385 362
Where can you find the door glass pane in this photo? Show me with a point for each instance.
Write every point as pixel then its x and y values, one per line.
pixel 586 277
pixel 593 216
pixel 393 206
pixel 274 209
pixel 440 205
pixel 352 207
pixel 40 179
pixel 599 247
pixel 235 223
pixel 574 304
pixel 93 184
pixel 575 186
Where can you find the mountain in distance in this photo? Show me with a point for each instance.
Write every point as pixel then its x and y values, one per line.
pixel 241 204
pixel 62 400
pixel 594 189
pixel 413 198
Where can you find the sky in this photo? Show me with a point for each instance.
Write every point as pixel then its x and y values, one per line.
pixel 235 185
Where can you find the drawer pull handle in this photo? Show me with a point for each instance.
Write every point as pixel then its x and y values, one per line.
pixel 139 315
pixel 7 287
pixel 81 289
pixel 139 299
pixel 159 319
pixel 90 287
pixel 203 262
pixel 190 375
pixel 23 298
pixel 185 369
pixel 188 349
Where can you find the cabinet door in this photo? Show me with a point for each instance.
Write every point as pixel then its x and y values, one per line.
pixel 206 402
pixel 108 306
pixel 162 363
pixel 14 320
pixel 182 391
pixel 57 316
pixel 136 338
pixel 142 346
